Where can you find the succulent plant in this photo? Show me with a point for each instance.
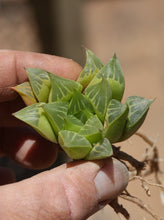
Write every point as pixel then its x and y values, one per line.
pixel 85 117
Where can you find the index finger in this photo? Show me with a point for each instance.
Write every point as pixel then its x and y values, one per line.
pixel 12 72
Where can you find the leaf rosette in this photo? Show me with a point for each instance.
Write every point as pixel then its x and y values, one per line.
pixel 85 117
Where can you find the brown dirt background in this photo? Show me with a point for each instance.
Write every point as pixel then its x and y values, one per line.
pixel 135 31
pixel 132 29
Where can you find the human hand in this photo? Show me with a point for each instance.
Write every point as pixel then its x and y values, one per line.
pixel 72 191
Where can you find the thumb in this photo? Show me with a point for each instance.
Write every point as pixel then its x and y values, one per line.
pixel 72 191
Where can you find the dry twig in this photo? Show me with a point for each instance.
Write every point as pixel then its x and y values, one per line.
pixel 152 157
pixel 140 171
pixel 119 209
pixel 141 204
pixel 138 165
pixel 146 181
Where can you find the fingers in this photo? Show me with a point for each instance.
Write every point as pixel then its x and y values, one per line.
pixel 6 176
pixel 25 146
pixel 6 111
pixel 12 70
pixel 72 191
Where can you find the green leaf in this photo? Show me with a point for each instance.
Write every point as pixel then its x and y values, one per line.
pixel 72 123
pixel 75 145
pixel 80 107
pixel 100 151
pixel 99 95
pixel 62 89
pixel 79 103
pixel 115 120
pixel 56 113
pixel 40 83
pixel 138 108
pixel 26 93
pixel 92 130
pixel 92 66
pixel 83 115
pixel 113 73
pixel 35 116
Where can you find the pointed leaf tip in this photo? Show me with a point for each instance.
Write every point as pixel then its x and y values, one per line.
pixel 92 66
pixel 100 150
pixel 62 89
pixel 40 83
pixel 56 112
pixel 99 95
pixel 113 73
pixel 92 130
pixel 115 120
pixel 26 93
pixel 35 116
pixel 75 145
pixel 138 109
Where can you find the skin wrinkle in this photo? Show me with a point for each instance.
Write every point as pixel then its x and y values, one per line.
pixel 6 90
pixel 37 201
pixel 69 205
pixel 81 194
pixel 54 194
pixel 41 209
pixel 80 191
pixel 50 207
pixel 99 165
pixel 72 214
pixel 59 193
pixel 15 69
pixel 18 205
pixel 72 181
pixel 24 203
pixel 17 60
pixel 18 79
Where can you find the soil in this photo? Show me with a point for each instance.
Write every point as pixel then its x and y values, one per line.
pixel 134 30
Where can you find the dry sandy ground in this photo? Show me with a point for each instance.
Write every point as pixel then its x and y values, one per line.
pixel 135 31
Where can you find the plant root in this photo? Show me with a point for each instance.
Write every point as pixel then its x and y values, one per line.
pixel 141 204
pixel 139 170
pixel 117 153
pixel 119 209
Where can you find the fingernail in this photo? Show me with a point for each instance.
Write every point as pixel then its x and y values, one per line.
pixel 111 180
pixel 23 151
